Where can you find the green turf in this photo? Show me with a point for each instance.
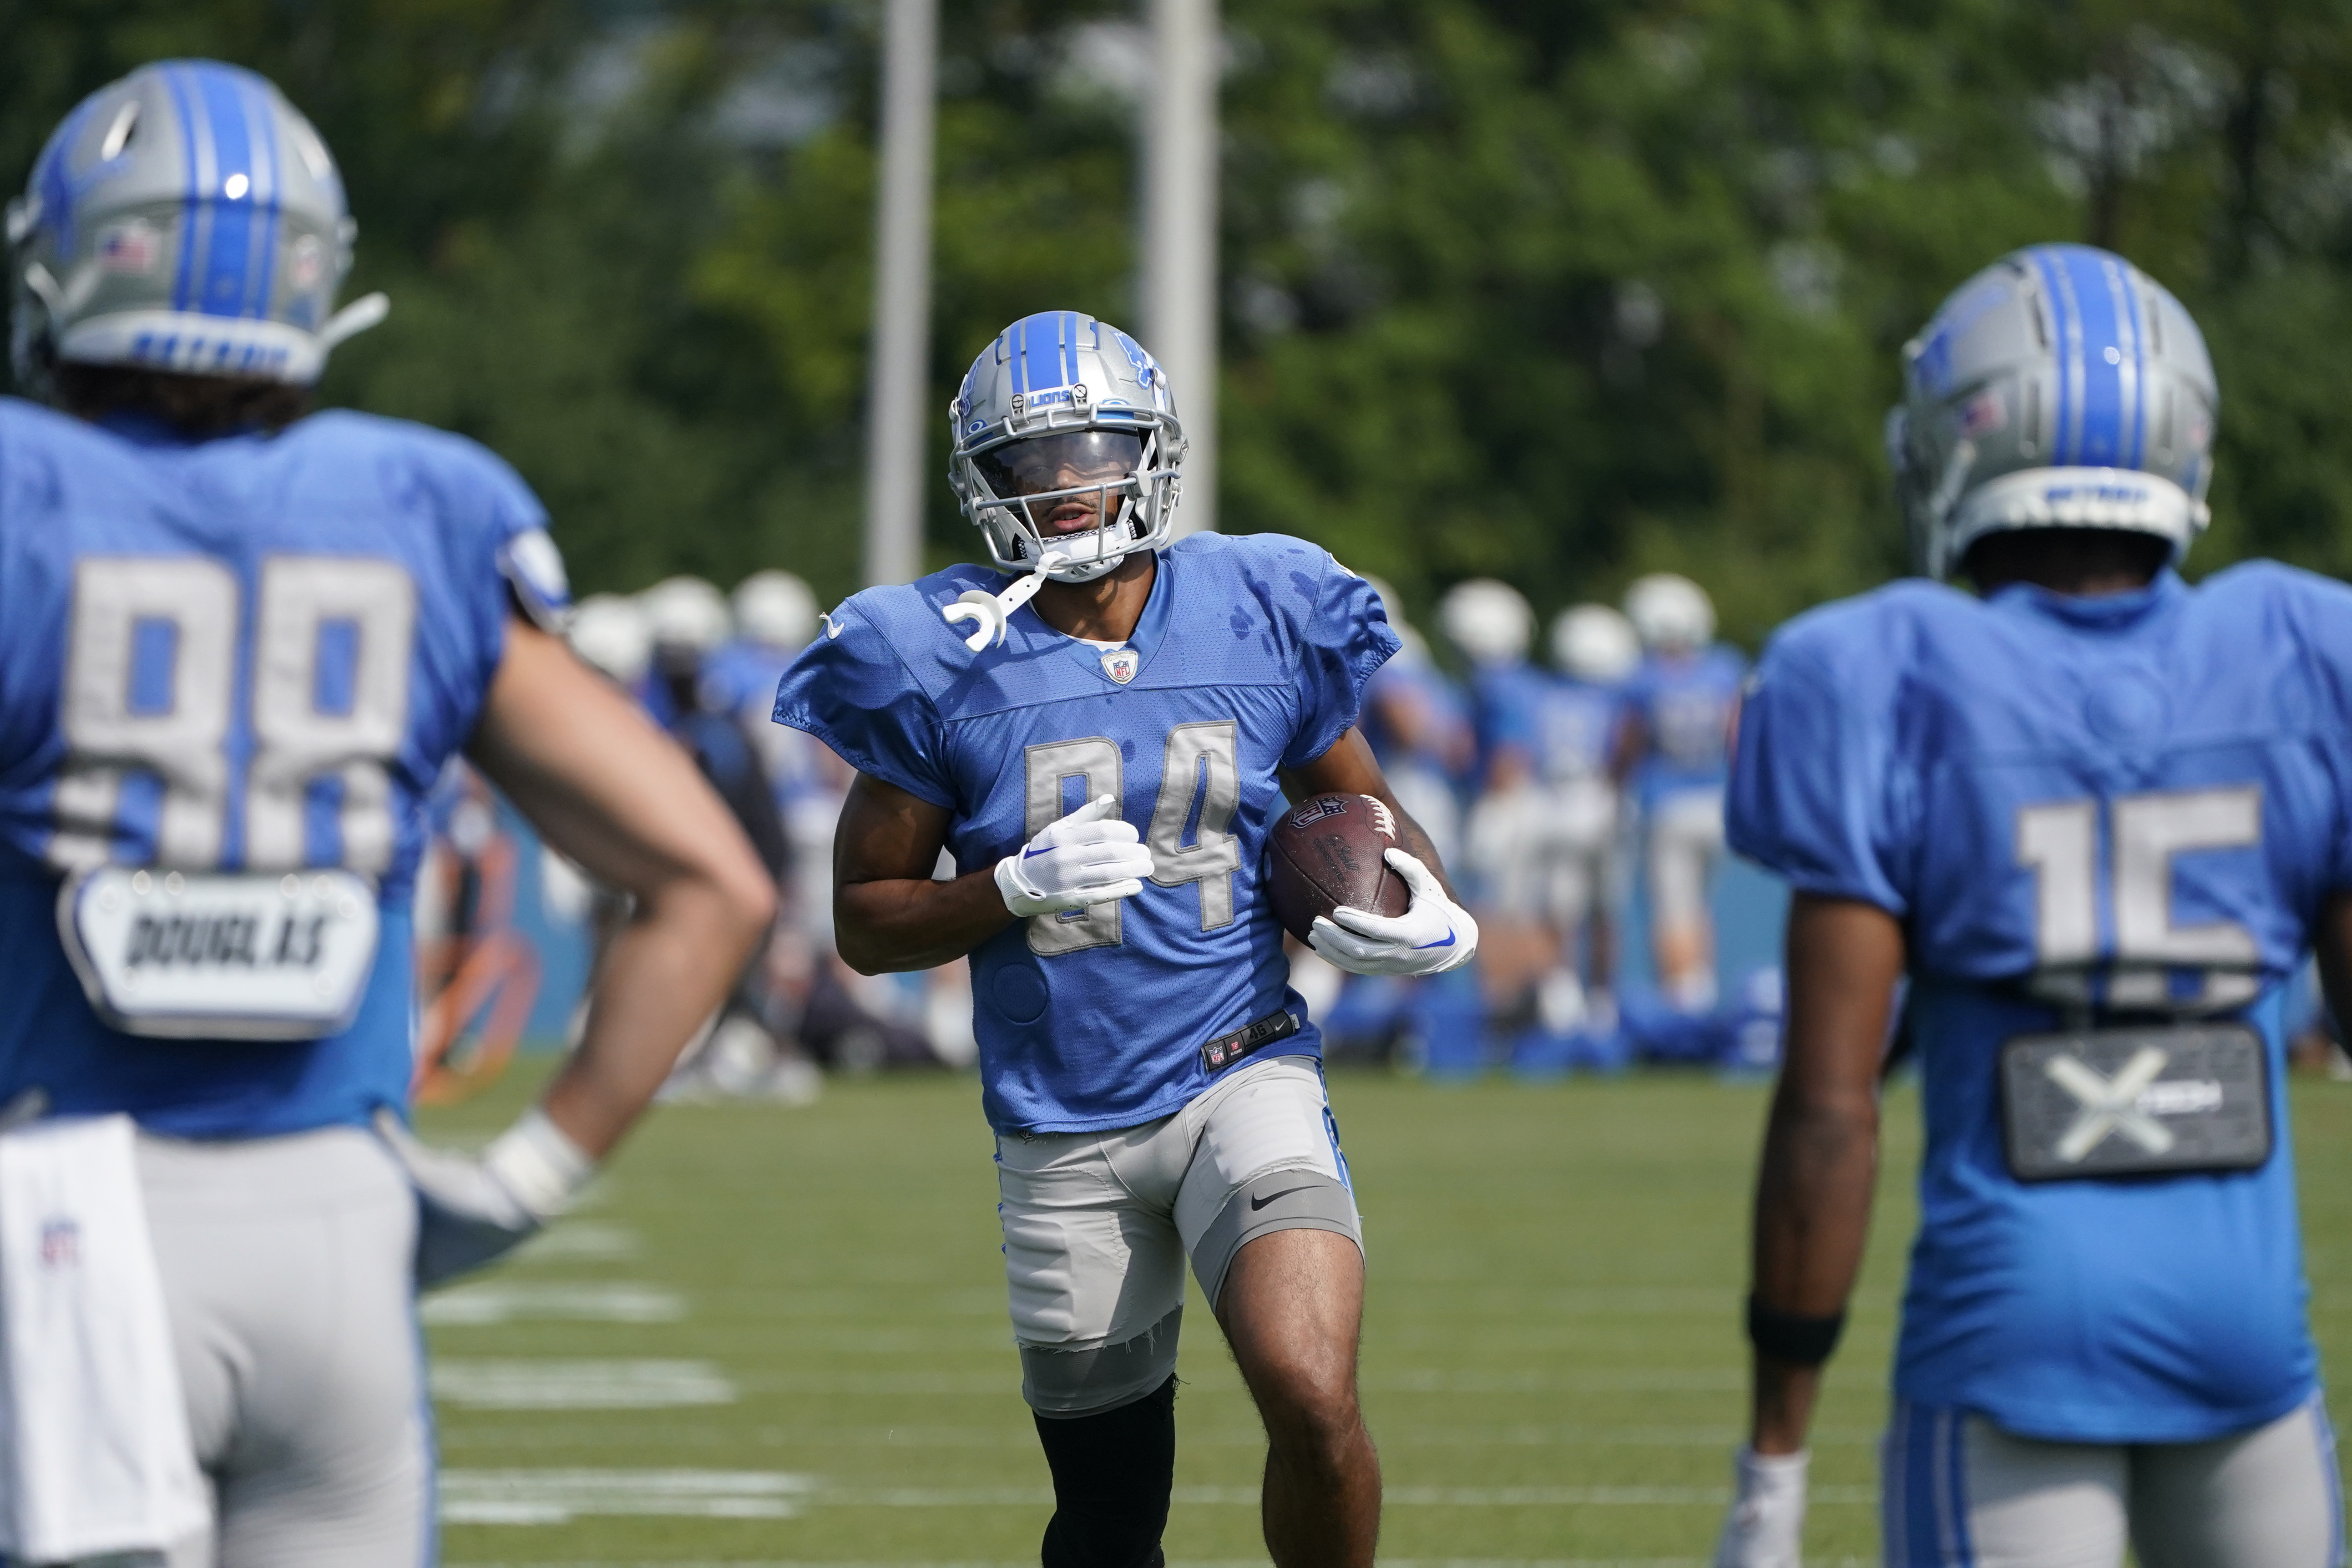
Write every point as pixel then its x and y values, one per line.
pixel 1551 1367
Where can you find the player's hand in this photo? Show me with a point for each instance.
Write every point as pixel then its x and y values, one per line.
pixel 1435 933
pixel 1767 1521
pixel 1089 857
pixel 474 1210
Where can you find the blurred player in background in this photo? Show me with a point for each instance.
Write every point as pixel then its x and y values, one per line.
pixel 1684 703
pixel 240 644
pixel 1491 624
pixel 1154 1084
pixel 1567 861
pixel 2097 816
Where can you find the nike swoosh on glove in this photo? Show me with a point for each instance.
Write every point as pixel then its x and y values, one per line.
pixel 1767 1522
pixel 1086 858
pixel 1434 934
pixel 473 1211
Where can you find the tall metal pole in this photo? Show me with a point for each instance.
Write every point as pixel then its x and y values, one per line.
pixel 1179 235
pixel 894 421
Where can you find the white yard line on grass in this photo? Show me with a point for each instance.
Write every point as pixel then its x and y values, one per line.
pixel 558 1497
pixel 540 1384
pixel 487 1306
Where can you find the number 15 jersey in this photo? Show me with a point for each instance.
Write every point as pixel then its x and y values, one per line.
pixel 2082 810
pixel 1251 655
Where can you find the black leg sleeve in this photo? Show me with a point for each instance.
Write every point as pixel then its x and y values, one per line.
pixel 1112 1477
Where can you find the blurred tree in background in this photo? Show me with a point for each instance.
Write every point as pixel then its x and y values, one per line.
pixel 1556 289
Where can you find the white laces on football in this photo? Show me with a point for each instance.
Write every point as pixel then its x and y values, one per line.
pixel 992 612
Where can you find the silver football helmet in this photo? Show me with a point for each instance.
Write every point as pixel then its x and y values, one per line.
pixel 2061 388
pixel 185 218
pixel 1063 409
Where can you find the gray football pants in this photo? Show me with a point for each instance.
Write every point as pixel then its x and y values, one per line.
pixel 1961 1493
pixel 288 1270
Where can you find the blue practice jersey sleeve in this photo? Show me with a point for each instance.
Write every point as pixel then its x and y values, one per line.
pixel 1812 795
pixel 2321 609
pixel 1343 637
pixel 851 689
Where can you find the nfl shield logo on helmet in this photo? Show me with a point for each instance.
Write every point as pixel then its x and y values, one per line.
pixel 1120 664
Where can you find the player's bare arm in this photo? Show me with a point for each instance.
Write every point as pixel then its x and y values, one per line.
pixel 888 912
pixel 607 789
pixel 1820 1145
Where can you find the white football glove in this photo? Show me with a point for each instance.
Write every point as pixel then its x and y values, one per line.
pixel 472 1211
pixel 1766 1521
pixel 1086 858
pixel 1435 933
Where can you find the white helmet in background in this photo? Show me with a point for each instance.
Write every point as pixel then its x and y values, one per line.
pixel 775 608
pixel 609 633
pixel 1489 621
pixel 686 615
pixel 1594 644
pixel 1671 612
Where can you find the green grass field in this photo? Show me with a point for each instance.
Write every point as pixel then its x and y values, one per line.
pixel 779 1337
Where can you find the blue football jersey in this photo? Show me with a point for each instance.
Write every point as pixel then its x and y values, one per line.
pixel 2081 809
pixel 1434 730
pixel 1251 655
pixel 246 655
pixel 1501 697
pixel 1686 703
pixel 1567 728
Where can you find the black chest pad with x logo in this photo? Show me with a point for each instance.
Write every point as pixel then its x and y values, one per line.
pixel 2163 1099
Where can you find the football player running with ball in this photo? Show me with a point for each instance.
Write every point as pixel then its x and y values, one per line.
pixel 1100 732
pixel 2097 817
pixel 239 645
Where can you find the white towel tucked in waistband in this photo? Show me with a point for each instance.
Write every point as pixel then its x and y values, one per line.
pixel 95 1454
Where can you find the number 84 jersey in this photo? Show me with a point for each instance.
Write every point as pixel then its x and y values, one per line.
pixel 229 671
pixel 1251 655
pixel 2126 809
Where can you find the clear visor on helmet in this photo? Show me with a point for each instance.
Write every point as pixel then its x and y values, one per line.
pixel 1068 485
pixel 1068 463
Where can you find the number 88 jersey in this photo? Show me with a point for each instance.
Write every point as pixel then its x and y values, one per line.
pixel 229 671
pixel 2124 812
pixel 1251 655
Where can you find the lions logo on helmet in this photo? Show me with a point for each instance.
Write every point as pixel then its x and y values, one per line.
pixel 2061 388
pixel 1062 405
pixel 185 218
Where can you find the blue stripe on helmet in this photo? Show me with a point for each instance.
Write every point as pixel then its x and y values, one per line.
pixel 2098 355
pixel 228 257
pixel 268 199
pixel 2065 334
pixel 183 279
pixel 1070 377
pixel 1037 342
pixel 2127 284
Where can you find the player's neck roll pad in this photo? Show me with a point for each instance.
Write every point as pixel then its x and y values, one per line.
pixel 1276 1200
pixel 1063 1385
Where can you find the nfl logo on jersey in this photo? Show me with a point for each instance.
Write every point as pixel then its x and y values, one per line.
pixel 1120 665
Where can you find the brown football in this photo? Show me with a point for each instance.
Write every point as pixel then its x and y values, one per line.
pixel 1325 852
